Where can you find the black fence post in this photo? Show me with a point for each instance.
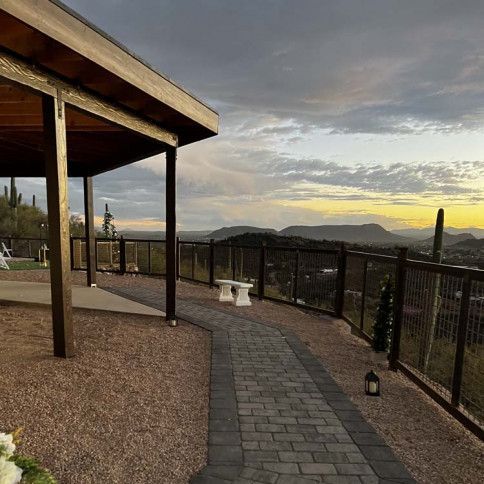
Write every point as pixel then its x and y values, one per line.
pixel 296 277
pixel 178 243
pixel 233 262
pixel 401 275
pixel 193 262
pixel 211 263
pixel 149 258
pixel 340 282
pixel 71 248
pixel 262 272
pixel 122 255
pixel 461 340
pixel 95 252
pixel 363 295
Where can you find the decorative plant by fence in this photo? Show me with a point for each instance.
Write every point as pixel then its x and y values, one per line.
pixel 346 284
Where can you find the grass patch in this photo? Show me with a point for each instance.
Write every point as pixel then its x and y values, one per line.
pixel 25 265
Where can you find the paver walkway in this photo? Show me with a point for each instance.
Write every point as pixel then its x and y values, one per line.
pixel 276 415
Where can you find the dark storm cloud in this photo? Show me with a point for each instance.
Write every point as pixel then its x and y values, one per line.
pixel 350 66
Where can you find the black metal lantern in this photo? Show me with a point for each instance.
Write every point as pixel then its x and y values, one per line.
pixel 372 384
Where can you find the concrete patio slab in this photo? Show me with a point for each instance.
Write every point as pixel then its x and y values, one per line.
pixel 38 293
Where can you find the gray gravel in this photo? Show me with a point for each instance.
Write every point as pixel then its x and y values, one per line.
pixel 433 446
pixel 132 406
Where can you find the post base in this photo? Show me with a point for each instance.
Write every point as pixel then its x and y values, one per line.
pixel 172 322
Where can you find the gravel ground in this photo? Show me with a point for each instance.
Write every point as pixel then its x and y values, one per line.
pixel 132 406
pixel 433 446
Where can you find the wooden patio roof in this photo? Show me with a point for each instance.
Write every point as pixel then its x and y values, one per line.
pixel 118 109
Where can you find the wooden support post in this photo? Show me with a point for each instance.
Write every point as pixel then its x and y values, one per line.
pixel 461 340
pixel 53 112
pixel 171 236
pixel 401 275
pixel 90 234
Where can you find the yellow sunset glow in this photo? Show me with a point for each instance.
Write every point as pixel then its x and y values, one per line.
pixel 416 215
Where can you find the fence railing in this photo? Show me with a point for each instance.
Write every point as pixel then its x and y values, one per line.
pixel 27 247
pixel 125 256
pixel 438 327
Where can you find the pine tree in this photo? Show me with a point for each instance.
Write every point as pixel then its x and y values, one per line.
pixel 108 227
pixel 382 325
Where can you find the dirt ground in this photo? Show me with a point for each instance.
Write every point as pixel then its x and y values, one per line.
pixel 132 406
pixel 433 446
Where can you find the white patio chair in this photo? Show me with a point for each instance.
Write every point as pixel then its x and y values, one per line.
pixel 6 252
pixel 3 263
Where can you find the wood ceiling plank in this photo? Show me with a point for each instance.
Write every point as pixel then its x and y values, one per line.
pixel 19 71
pixel 62 25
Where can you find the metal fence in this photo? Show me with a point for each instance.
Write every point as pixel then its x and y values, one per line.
pixel 125 256
pixel 26 247
pixel 438 327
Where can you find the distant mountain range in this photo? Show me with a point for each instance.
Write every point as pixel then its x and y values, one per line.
pixel 160 234
pixel 447 239
pixel 348 233
pixel 359 234
pixel 426 232
pixel 470 244
pixel 367 233
pixel 225 232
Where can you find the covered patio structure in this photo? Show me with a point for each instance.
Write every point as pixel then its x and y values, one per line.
pixel 75 103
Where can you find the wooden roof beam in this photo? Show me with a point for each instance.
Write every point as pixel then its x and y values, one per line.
pixel 18 71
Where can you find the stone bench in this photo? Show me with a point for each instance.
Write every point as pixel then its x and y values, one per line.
pixel 241 292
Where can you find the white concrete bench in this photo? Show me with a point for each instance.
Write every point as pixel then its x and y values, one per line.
pixel 241 292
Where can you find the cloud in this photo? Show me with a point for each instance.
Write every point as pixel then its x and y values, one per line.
pixel 351 66
pixel 289 78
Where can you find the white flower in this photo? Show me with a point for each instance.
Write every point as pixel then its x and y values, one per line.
pixel 9 472
pixel 6 441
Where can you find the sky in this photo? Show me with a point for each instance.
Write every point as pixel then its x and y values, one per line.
pixel 331 112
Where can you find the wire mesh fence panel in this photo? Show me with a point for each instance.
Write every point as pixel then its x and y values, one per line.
pixel 187 260
pixel 472 392
pixel 246 264
pixel 429 326
pixel 316 279
pixel 354 281
pixel 78 255
pixel 280 274
pixel 201 262
pixel 137 256
pixel 131 255
pixel 376 273
pixel 107 255
pixel 23 247
pixel 157 258
pixel 223 259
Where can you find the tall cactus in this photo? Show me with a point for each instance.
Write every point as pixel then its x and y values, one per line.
pixel 33 200
pixel 434 294
pixel 13 200
pixel 13 193
pixel 438 237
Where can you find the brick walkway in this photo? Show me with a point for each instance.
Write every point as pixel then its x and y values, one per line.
pixel 276 415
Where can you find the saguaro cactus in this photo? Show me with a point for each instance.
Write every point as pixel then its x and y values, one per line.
pixel 434 293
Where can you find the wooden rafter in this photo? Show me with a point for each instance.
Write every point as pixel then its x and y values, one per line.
pixel 39 80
